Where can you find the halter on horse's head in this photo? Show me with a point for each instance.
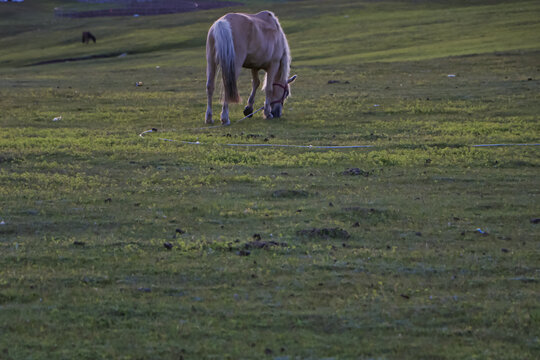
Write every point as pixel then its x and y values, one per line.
pixel 278 100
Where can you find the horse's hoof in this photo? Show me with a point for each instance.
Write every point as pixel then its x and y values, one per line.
pixel 248 111
pixel 225 122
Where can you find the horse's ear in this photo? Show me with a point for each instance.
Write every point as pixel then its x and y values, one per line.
pixel 292 79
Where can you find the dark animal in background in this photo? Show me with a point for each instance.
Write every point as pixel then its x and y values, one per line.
pixel 87 36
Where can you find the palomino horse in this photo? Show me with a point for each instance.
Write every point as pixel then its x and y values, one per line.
pixel 256 42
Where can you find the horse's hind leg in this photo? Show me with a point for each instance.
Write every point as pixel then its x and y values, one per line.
pixel 255 82
pixel 225 114
pixel 210 85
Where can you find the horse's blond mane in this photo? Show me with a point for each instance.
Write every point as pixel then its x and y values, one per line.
pixel 286 49
pixel 286 59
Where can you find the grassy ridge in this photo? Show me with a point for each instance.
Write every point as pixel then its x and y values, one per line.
pixel 383 262
pixel 347 34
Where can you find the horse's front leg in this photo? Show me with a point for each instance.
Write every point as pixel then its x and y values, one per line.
pixel 255 82
pixel 269 90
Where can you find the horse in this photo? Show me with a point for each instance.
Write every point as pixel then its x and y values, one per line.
pixel 87 36
pixel 252 41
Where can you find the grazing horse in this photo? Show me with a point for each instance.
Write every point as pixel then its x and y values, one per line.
pixel 87 36
pixel 253 41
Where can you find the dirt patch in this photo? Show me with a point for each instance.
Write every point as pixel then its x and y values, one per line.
pixel 290 194
pixel 363 210
pixel 357 171
pixel 325 233
pixel 369 214
pixel 146 8
pixel 263 244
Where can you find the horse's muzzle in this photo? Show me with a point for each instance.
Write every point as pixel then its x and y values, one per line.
pixel 277 110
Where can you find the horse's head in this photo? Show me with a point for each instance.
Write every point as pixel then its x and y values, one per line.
pixel 280 93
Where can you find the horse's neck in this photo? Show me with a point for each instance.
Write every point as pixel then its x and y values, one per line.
pixel 283 72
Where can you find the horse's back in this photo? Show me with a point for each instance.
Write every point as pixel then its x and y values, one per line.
pixel 258 37
pixel 268 18
pixel 261 18
pixel 254 26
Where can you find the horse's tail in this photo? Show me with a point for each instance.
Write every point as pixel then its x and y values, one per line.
pixel 225 57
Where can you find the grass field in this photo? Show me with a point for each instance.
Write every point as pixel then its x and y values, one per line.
pixel 422 246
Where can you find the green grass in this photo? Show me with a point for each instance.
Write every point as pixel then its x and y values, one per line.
pixel 87 204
